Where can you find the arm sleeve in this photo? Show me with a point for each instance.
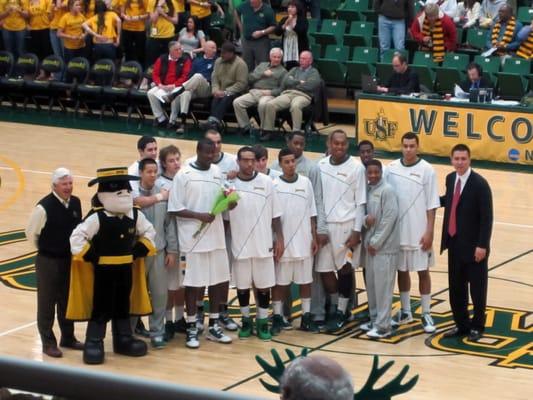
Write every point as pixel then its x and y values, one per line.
pixel 516 42
pixel 316 181
pixel 485 215
pixel 524 33
pixel 301 26
pixel 171 234
pixel 415 31
pixel 241 83
pixel 279 27
pixel 256 74
pixel 83 233
pixel 475 16
pixel 311 82
pixel 184 73
pixel 156 72
pixel 35 225
pixel 389 216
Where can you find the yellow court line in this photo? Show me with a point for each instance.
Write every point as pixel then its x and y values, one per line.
pixel 21 180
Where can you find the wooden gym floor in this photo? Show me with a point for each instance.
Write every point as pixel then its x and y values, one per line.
pixel 500 367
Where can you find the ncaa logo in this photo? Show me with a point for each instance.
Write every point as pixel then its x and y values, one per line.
pixel 513 154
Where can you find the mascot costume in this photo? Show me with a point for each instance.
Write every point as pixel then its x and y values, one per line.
pixel 107 279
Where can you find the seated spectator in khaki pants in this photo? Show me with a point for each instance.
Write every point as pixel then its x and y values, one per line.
pixel 265 82
pixel 297 88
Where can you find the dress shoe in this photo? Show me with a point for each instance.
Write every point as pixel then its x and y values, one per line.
pixel 180 128
pixel 52 351
pixel 266 136
pixel 160 124
pixel 128 346
pixel 72 344
pixel 474 335
pixel 93 353
pixel 454 332
pixel 171 125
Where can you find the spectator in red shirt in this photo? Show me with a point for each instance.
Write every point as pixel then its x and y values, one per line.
pixel 434 31
pixel 170 71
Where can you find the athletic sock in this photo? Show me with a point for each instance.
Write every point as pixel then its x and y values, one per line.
pixel 405 301
pixel 262 313
pixel 179 312
pixel 306 305
pixel 277 306
pixel 245 311
pixel 426 303
pixel 168 314
pixel 191 319
pixel 213 317
pixel 343 303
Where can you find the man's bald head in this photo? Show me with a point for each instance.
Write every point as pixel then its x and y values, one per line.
pixel 316 378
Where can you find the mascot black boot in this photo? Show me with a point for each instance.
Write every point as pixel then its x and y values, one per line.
pixel 123 341
pixel 93 352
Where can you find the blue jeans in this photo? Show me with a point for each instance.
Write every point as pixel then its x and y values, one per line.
pixel 391 29
pixel 14 42
pixel 57 44
pixel 104 50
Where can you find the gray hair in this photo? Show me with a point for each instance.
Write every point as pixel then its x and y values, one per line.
pixel 173 43
pixel 276 49
pixel 316 378
pixel 59 174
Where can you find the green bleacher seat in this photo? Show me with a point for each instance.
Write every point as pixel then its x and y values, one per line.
pixel 512 80
pixel 328 8
pixel 424 65
pixel 332 67
pixel 490 66
pixel 360 34
pixel 312 27
pixel 352 10
pixel 476 38
pixel 460 32
pixel 331 33
pixel 316 50
pixel 525 15
pixel 361 63
pixel 451 72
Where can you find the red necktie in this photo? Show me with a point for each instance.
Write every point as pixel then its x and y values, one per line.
pixel 452 226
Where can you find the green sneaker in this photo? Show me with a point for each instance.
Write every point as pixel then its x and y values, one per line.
pixel 263 332
pixel 277 325
pixel 169 330
pixel 336 322
pixel 158 342
pixel 286 325
pixel 307 324
pixel 246 328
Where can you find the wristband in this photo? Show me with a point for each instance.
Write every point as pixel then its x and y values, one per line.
pixel 159 197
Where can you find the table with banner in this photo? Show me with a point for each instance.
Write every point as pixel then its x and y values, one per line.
pixel 494 132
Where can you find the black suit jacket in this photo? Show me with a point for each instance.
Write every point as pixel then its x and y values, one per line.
pixel 473 215
pixel 483 83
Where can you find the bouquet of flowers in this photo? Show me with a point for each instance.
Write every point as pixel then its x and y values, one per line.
pixel 227 195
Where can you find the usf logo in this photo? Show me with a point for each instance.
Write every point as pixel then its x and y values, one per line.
pixel 17 272
pixel 380 128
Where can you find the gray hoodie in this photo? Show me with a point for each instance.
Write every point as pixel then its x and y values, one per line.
pixel 382 204
pixel 490 8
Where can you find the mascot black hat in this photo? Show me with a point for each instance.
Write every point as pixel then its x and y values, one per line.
pixel 113 179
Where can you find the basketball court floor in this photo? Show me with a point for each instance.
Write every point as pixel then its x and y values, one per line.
pixel 499 367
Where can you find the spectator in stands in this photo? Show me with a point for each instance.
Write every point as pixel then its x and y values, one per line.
pixel 202 11
pixel 179 5
pixel 525 36
pixel 58 8
pixel 434 31
pixel 475 78
pixel 293 32
pixel 191 38
pixel 504 33
pixel 265 79
pixel 316 377
pixel 170 71
pixel 70 30
pixel 134 14
pixel 105 29
pixel 255 21
pixel 229 80
pixel 448 7
pixel 39 26
pixel 163 17
pixel 403 80
pixel 489 12
pixel 198 84
pixel 13 16
pixel 467 13
pixel 297 90
pixel 393 16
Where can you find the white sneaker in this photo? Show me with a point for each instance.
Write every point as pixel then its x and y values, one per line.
pixel 367 326
pixel 427 323
pixel 216 334
pixel 192 338
pixel 376 334
pixel 402 317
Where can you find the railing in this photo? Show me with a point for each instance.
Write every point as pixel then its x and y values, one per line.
pixel 75 383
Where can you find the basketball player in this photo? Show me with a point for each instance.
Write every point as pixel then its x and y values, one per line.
pixel 252 223
pixel 201 238
pixel 415 183
pixel 261 162
pixel 344 194
pixel 147 148
pixel 298 222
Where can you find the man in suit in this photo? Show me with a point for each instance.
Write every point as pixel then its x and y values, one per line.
pixel 475 78
pixel 466 233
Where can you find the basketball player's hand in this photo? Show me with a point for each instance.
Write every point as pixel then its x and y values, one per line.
pixel 322 239
pixel 427 241
pixel 164 193
pixel 480 254
pixel 353 240
pixel 279 248
pixel 370 220
pixel 232 205
pixel 170 260
pixel 371 250
pixel 206 217
pixel 314 246
pixel 232 174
